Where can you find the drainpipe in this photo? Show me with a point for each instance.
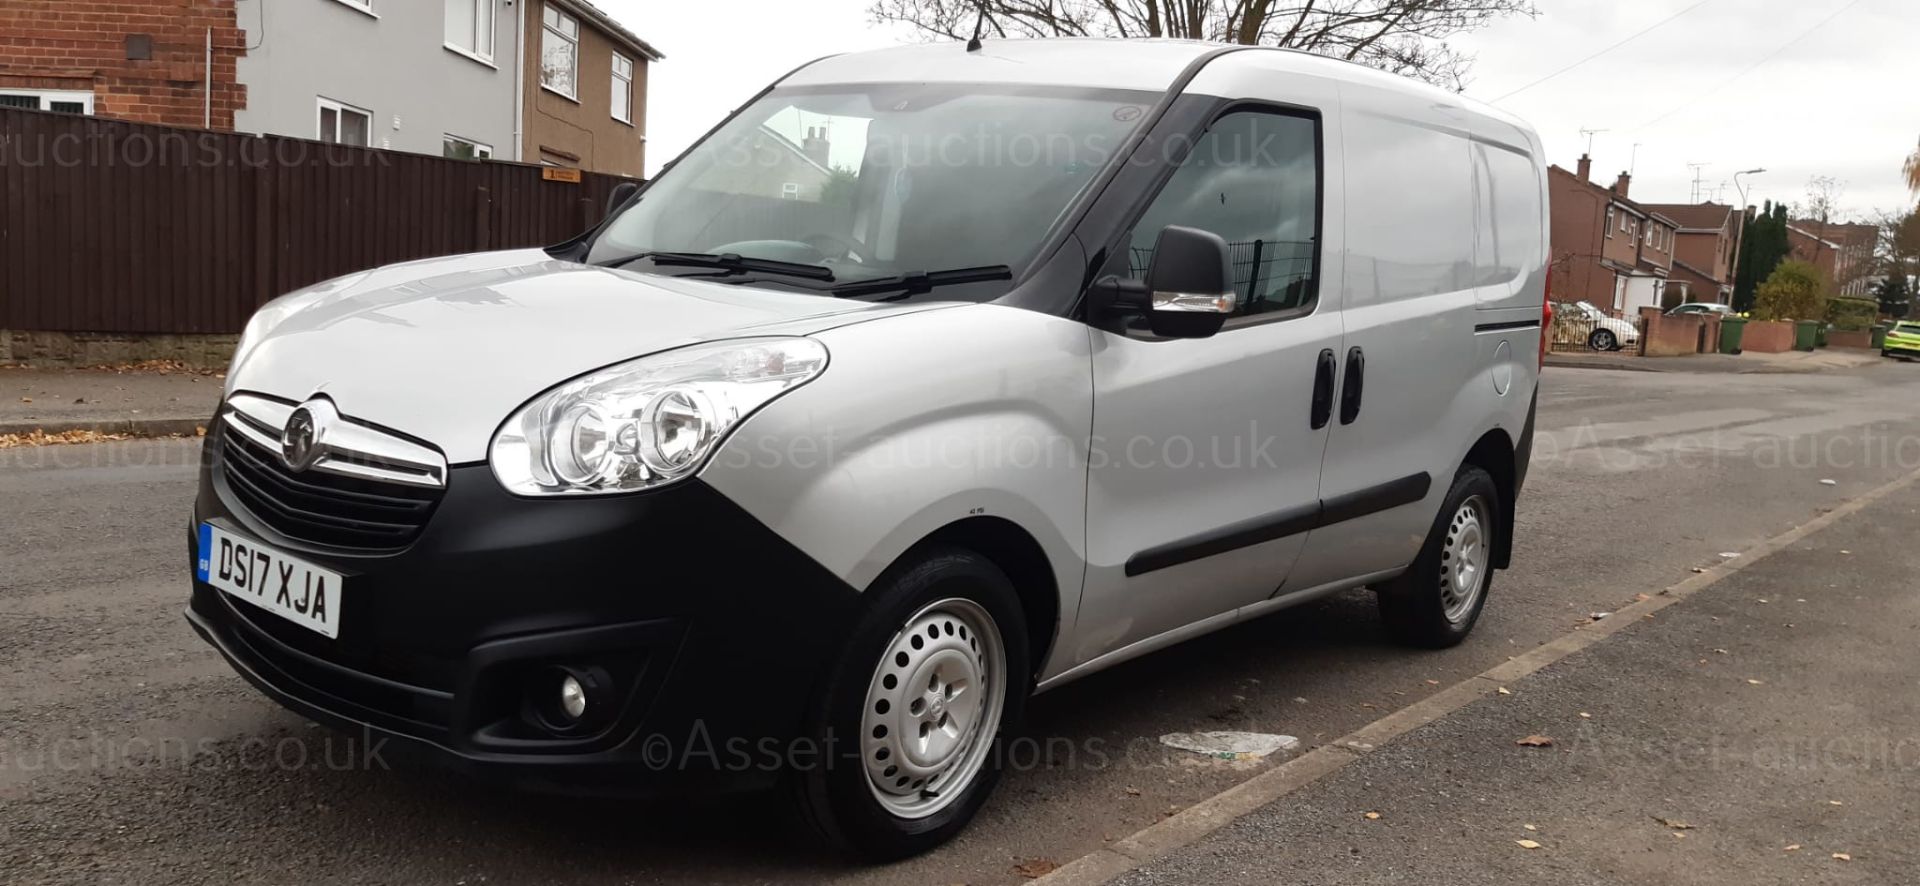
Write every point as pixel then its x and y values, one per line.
pixel 519 83
pixel 208 124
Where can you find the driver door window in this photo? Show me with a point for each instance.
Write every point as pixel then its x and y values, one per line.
pixel 1252 178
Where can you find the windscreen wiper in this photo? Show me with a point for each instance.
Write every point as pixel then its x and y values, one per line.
pixel 732 262
pixel 917 282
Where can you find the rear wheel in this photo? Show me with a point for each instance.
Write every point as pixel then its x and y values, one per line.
pixel 1437 601
pixel 1602 340
pixel 935 672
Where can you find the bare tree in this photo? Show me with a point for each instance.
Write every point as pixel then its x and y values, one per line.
pixel 1912 170
pixel 1402 36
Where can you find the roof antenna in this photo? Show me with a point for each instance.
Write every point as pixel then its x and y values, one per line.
pixel 979 23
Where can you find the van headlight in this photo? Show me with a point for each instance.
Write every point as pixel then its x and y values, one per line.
pixel 646 422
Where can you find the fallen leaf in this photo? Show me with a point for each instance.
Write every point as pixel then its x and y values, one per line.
pixel 1698 569
pixel 1133 792
pixel 1596 616
pixel 199 430
pixel 1826 482
pixel 1503 691
pixel 1763 599
pixel 1755 682
pixel 1035 868
pixel 1641 598
pixel 1679 834
pixel 1676 824
pixel 1842 856
pixel 1834 803
pixel 1527 844
pixel 1433 682
pixel 1846 552
pixel 26 399
pixel 1585 716
pixel 1529 827
pixel 1792 847
pixel 1535 741
pixel 1373 816
pixel 1722 652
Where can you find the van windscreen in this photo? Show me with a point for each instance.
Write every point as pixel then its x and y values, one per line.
pixel 878 180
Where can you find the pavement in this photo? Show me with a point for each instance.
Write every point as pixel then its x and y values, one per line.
pixel 1751 362
pixel 130 753
pixel 142 402
pixel 1764 731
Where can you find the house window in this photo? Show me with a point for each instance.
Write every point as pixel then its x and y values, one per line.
pixel 790 190
pixel 623 89
pixel 345 124
pixel 560 53
pixel 464 149
pixel 58 102
pixel 365 6
pixel 470 28
pixel 1609 224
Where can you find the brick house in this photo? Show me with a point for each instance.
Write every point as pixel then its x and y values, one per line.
pixel 1842 251
pixel 153 61
pixel 438 77
pixel 1706 246
pixel 1608 250
pixel 586 89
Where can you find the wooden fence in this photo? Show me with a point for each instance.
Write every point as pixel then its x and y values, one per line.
pixel 109 226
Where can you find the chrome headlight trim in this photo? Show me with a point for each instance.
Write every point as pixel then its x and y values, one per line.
pixel 645 423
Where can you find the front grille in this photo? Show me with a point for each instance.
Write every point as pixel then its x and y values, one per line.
pixel 323 508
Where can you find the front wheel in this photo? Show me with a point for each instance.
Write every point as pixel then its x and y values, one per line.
pixel 935 672
pixel 1602 340
pixel 1437 601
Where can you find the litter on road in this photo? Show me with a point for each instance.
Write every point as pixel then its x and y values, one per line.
pixel 1230 745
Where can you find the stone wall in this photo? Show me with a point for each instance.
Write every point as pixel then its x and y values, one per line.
pixel 95 349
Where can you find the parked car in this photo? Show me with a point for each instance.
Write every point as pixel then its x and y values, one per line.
pixel 790 473
pixel 1700 307
pixel 1605 333
pixel 1903 340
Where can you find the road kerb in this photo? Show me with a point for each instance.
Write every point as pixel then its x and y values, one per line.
pixel 1201 819
pixel 138 427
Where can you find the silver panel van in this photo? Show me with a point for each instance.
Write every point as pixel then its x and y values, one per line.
pixel 931 379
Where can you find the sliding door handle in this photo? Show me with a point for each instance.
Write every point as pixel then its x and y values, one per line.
pixel 1356 383
pixel 1323 389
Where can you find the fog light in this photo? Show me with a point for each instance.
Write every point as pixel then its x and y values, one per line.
pixel 573 697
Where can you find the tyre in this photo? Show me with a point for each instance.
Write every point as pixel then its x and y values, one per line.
pixel 934 674
pixel 1437 601
pixel 1603 340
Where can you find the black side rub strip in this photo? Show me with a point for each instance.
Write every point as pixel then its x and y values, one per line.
pixel 1404 491
pixel 1502 327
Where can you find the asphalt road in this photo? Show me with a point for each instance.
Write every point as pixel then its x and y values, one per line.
pixel 1762 731
pixel 129 753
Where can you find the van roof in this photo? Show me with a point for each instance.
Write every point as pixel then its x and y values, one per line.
pixel 1099 63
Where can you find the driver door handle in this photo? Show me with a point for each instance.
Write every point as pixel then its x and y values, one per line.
pixel 1323 389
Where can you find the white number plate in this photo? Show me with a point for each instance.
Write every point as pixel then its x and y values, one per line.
pixel 286 586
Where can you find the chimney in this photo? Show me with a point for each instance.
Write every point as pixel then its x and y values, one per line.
pixel 1620 184
pixel 1586 168
pixel 816 146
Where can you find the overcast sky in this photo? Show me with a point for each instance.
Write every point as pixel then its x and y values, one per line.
pixel 1733 84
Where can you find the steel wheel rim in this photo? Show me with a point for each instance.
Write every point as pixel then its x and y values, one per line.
pixel 933 707
pixel 1464 559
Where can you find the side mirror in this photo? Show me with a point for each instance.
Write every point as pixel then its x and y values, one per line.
pixel 1188 292
pixel 622 192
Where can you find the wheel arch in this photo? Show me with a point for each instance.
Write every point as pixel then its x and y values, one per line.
pixel 1494 453
pixel 1019 555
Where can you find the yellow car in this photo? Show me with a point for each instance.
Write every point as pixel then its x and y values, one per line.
pixel 1903 340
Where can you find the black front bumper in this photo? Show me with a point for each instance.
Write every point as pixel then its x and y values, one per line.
pixel 711 628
